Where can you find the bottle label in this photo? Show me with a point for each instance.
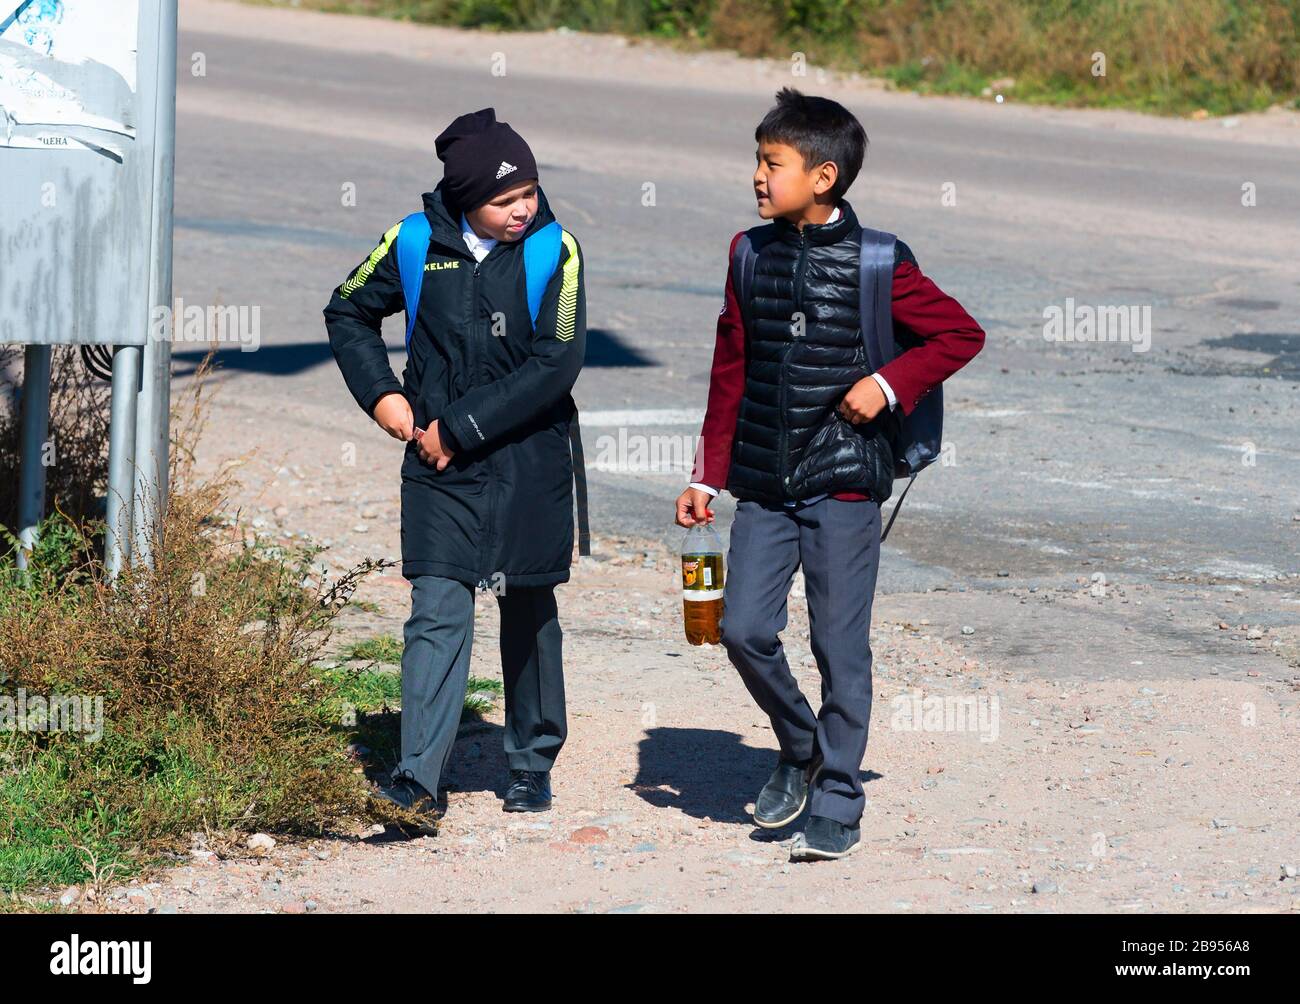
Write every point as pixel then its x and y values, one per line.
pixel 702 577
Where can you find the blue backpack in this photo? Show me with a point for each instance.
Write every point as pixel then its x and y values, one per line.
pixel 541 259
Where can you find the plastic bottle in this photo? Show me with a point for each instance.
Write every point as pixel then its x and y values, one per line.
pixel 702 580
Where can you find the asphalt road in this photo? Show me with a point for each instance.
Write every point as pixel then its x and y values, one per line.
pixel 1178 464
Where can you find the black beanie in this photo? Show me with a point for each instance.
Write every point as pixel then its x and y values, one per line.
pixel 482 157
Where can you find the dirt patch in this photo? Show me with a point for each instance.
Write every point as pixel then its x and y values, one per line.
pixel 983 785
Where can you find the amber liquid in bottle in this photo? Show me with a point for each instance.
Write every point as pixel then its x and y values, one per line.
pixel 702 598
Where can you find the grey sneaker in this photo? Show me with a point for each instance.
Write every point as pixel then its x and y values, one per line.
pixel 824 839
pixel 785 794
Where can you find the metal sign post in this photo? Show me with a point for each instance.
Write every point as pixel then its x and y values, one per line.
pixel 152 420
pixel 87 138
pixel 34 432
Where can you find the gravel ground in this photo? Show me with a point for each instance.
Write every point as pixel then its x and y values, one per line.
pixel 1061 794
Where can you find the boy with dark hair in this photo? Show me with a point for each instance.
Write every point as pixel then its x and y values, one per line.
pixel 495 336
pixel 802 431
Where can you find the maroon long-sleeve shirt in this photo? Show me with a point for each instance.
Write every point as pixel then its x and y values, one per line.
pixel 950 338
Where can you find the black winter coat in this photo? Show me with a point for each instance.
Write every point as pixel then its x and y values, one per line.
pixel 501 513
pixel 804 352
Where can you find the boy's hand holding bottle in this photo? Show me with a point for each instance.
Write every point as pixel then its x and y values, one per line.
pixel 693 508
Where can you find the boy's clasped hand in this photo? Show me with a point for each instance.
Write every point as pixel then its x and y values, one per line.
pixel 864 401
pixel 394 416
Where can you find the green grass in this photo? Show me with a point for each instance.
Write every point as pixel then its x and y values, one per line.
pixel 44 844
pixel 369 690
pixel 366 690
pixel 385 648
pixel 475 704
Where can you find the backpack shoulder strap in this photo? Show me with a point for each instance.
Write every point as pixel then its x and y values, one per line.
pixel 898 507
pixel 744 260
pixel 541 258
pixel 412 251
pixel 580 484
pixel 875 294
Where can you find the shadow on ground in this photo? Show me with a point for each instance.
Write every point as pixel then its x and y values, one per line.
pixel 605 350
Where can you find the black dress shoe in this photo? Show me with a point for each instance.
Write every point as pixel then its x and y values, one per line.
pixel 529 791
pixel 407 793
pixel 824 839
pixel 785 794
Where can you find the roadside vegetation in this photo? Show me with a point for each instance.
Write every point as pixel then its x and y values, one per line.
pixel 1172 57
pixel 192 696
pixel 187 693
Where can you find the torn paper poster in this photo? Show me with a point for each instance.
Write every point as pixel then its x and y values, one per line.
pixel 66 63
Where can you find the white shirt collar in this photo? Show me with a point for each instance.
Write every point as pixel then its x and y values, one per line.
pixel 478 246
pixel 835 215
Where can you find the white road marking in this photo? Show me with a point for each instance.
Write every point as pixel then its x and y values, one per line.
pixel 641 417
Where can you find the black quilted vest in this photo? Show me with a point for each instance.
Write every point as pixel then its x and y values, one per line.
pixel 804 351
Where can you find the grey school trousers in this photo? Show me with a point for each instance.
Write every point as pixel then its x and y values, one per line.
pixel 435 668
pixel 838 545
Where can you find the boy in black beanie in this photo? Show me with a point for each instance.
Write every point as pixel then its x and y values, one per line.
pixel 496 331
